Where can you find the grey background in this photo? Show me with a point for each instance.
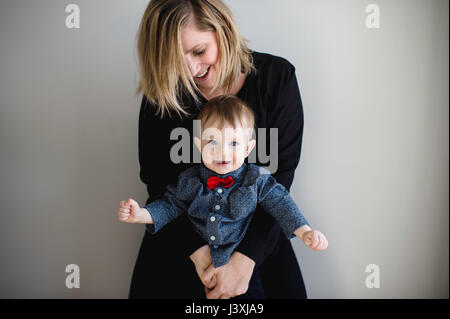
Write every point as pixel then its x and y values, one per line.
pixel 373 174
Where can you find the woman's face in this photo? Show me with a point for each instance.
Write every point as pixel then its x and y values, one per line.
pixel 201 53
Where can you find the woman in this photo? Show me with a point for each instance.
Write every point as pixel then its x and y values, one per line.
pixel 189 52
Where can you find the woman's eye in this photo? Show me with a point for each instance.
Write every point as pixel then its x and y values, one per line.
pixel 212 142
pixel 199 53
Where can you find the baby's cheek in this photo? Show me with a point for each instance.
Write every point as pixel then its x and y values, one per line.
pixel 236 151
pixel 207 155
pixel 207 159
pixel 240 154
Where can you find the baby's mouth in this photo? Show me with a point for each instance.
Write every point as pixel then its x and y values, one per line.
pixel 222 162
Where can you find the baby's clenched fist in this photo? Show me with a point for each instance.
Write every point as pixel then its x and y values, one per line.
pixel 315 240
pixel 130 212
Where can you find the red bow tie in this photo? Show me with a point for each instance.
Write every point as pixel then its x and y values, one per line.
pixel 213 181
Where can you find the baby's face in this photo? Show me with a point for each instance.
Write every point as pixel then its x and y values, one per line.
pixel 224 150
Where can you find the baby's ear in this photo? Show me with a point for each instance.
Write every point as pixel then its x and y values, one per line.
pixel 251 144
pixel 198 143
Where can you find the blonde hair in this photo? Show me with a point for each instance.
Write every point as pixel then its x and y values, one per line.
pixel 164 73
pixel 227 109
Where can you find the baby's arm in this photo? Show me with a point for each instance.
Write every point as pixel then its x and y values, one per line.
pixel 130 212
pixel 162 211
pixel 276 200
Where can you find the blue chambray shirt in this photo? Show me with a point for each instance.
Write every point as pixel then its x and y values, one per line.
pixel 221 216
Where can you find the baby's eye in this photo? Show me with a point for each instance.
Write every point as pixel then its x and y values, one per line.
pixel 212 142
pixel 234 143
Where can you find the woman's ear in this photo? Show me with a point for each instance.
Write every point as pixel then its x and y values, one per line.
pixel 198 143
pixel 251 144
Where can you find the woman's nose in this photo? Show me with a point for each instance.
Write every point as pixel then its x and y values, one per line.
pixel 194 67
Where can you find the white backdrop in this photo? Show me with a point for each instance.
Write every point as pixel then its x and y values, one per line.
pixel 373 174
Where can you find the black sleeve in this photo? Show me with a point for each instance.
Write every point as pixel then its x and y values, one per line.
pixel 286 115
pixel 148 158
pixel 156 169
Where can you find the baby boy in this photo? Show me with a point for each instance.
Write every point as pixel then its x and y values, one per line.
pixel 220 194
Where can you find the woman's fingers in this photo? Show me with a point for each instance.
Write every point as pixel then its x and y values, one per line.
pixel 214 293
pixel 211 283
pixel 208 275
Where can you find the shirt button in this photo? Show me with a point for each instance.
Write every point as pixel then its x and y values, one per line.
pixel 219 190
pixel 212 238
pixel 212 218
pixel 215 246
pixel 217 207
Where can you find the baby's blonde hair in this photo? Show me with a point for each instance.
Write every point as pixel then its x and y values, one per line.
pixel 164 73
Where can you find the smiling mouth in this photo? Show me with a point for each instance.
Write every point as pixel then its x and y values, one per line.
pixel 204 74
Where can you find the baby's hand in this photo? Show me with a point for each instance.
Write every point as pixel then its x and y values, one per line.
pixel 130 212
pixel 315 240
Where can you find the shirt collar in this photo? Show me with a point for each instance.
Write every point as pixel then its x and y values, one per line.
pixel 205 173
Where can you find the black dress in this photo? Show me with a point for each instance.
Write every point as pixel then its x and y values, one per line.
pixel 163 268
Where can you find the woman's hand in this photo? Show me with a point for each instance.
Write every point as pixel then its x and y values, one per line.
pixel 232 278
pixel 202 260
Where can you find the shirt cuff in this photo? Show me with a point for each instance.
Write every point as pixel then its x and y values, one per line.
pixel 289 231
pixel 156 211
pixel 292 223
